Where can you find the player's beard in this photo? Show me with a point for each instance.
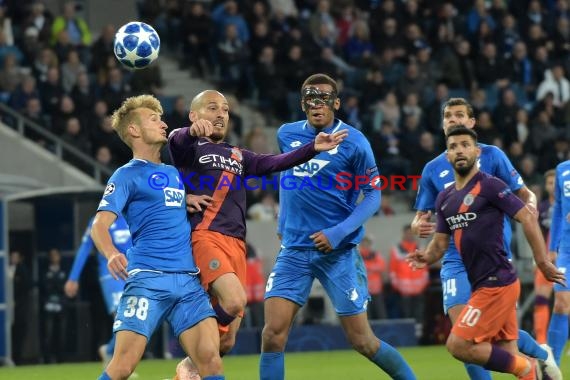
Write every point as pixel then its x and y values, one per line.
pixel 464 170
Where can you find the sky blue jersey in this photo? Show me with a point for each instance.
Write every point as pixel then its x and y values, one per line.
pixel 438 175
pixel 151 197
pixel 322 194
pixel 560 226
pixel 121 239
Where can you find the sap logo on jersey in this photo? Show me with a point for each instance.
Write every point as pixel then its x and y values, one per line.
pixel 173 197
pixel 310 168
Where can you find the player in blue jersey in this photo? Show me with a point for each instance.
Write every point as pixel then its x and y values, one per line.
pixel 471 213
pixel 438 175
pixel 320 225
pixel 560 248
pixel 111 288
pixel 161 276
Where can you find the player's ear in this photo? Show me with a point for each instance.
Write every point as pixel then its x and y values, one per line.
pixel 478 150
pixel 192 116
pixel 133 130
pixel 336 104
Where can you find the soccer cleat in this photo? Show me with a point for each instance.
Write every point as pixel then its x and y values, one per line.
pixel 186 370
pixel 550 368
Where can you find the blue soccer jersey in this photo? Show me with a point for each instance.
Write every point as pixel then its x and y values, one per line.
pixel 151 197
pixel 121 237
pixel 325 189
pixel 560 225
pixel 438 175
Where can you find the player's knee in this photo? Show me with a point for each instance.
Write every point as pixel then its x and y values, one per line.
pixel 227 342
pixel 455 348
pixel 363 345
pixel 562 305
pixel 273 340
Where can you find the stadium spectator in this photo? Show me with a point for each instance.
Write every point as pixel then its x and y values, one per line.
pixel 197 32
pixel 75 26
pixel 408 283
pixel 71 68
pixel 53 307
pixel 21 279
pixel 266 209
pixel 254 286
pixel 376 272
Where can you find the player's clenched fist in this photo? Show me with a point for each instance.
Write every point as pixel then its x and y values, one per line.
pixel 201 128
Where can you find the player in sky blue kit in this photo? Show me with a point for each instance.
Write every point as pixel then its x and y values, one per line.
pixel 110 288
pixel 161 276
pixel 320 226
pixel 438 175
pixel 560 248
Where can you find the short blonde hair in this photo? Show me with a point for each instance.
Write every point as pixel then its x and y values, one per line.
pixel 125 115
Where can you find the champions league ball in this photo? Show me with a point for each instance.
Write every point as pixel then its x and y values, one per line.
pixel 136 45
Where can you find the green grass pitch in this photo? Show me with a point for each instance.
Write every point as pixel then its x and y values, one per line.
pixel 429 363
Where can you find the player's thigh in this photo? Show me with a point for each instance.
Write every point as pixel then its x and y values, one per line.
pixel 112 291
pixel 217 254
pixel 228 288
pixel 192 304
pixel 146 300
pixel 489 315
pixel 343 275
pixel 202 340
pixel 129 347
pixel 456 289
pixel 291 277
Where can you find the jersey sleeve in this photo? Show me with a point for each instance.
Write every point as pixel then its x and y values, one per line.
pixel 505 171
pixel 427 192
pixel 363 165
pixel 82 254
pixel 556 221
pixel 500 195
pixel 116 193
pixel 441 225
pixel 181 146
pixel 261 164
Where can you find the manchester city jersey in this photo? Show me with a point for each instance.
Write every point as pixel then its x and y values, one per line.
pixel 326 188
pixel 151 197
pixel 121 237
pixel 560 225
pixel 438 175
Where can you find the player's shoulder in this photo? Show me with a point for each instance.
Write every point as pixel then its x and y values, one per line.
pixel 490 181
pixel 563 168
pixel 294 126
pixel 439 162
pixel 491 151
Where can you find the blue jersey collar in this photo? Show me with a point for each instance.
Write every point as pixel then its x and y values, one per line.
pixel 333 128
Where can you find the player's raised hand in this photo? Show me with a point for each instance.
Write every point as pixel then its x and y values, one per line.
pixel 117 265
pixel 201 128
pixel 416 259
pixel 551 273
pixel 326 141
pixel 197 203
pixel 321 242
pixel 423 226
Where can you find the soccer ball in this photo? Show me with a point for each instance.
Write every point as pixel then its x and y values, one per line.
pixel 136 45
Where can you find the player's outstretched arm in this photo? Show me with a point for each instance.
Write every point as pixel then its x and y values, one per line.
pixel 529 198
pixel 422 225
pixel 533 235
pixel 116 261
pixel 326 141
pixel 433 252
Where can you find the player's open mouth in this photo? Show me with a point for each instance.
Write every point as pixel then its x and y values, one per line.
pixel 219 125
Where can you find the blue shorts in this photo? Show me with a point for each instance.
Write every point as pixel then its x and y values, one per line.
pixel 342 274
pixel 112 290
pixel 150 298
pixel 456 287
pixel 563 265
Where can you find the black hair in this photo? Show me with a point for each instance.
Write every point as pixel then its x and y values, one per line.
pixel 320 79
pixel 460 130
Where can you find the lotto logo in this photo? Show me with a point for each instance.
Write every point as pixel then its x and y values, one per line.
pixel 173 197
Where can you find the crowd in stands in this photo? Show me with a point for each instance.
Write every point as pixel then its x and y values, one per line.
pixel 396 61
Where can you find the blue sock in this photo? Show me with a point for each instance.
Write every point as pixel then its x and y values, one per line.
pixel 392 362
pixel 111 345
pixel 272 366
pixel 214 377
pixel 558 334
pixel 476 372
pixel 529 346
pixel 104 376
